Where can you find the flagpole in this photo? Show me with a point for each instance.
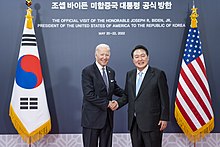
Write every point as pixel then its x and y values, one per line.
pixel 194 8
pixel 29 142
pixel 29 25
pixel 193 4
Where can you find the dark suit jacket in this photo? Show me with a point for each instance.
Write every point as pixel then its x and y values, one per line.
pixel 96 97
pixel 152 102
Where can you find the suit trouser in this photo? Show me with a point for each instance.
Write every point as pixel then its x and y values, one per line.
pixel 145 139
pixel 93 137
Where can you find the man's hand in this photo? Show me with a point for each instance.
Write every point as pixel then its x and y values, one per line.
pixel 162 124
pixel 113 105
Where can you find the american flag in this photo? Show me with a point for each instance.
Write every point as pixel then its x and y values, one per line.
pixel 193 106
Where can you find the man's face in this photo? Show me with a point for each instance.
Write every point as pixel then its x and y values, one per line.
pixel 140 59
pixel 102 56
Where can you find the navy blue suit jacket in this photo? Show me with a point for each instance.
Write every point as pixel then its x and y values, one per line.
pixel 96 98
pixel 152 101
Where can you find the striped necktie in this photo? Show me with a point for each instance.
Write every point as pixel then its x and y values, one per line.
pixel 104 76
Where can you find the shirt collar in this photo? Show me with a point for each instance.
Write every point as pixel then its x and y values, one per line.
pixel 100 67
pixel 143 71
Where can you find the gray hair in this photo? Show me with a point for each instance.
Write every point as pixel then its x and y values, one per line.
pixel 102 46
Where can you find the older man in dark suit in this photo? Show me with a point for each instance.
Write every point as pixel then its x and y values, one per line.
pixel 146 93
pixel 99 85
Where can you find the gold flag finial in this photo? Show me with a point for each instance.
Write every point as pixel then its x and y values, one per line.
pixel 28 3
pixel 193 17
pixel 29 18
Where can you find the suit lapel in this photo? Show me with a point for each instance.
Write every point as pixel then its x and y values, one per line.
pixel 149 74
pixel 133 82
pixel 98 74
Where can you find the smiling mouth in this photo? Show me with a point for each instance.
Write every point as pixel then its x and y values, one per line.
pixel 140 63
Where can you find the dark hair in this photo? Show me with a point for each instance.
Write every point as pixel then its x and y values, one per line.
pixel 139 47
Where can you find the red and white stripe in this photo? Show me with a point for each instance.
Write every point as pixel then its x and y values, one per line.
pixel 193 96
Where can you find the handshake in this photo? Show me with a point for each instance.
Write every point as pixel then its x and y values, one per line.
pixel 113 105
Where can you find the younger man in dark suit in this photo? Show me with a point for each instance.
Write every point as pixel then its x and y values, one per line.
pixel 98 85
pixel 146 93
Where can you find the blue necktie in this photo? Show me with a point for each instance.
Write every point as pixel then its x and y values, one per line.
pixel 104 76
pixel 139 81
